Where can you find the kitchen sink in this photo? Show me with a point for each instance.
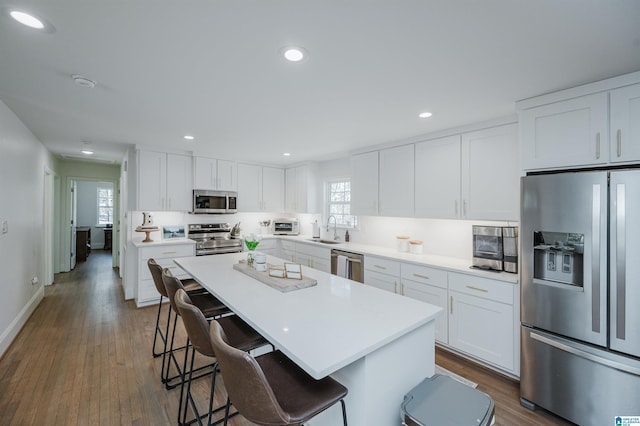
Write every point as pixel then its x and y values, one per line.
pixel 325 241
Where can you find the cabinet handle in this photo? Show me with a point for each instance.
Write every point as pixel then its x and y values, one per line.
pixel 619 137
pixel 598 145
pixel 451 305
pixel 168 252
pixel 478 289
pixel 402 289
pixel 395 286
pixel 464 208
pixel 379 267
pixel 421 276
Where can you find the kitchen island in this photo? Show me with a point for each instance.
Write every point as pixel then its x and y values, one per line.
pixel 378 344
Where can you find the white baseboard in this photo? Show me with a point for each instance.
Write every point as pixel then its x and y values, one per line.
pixel 16 325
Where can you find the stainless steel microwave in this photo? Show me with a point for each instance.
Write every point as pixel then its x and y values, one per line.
pixel 214 202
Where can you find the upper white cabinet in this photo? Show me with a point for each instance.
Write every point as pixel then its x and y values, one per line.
pixel 625 124
pixel 490 174
pixel 211 173
pixel 590 125
pixel 164 181
pixel 396 181
pixel 364 184
pixel 301 195
pixel 470 176
pixel 568 133
pixel 437 178
pixel 382 182
pixel 260 188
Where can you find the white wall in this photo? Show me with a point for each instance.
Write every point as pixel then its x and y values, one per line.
pixel 87 209
pixel 23 160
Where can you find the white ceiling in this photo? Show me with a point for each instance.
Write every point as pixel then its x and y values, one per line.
pixel 212 69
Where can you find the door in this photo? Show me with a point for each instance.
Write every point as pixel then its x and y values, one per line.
pixel 625 123
pixel 624 284
pixel 564 240
pixel 73 198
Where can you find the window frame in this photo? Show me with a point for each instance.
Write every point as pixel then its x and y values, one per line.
pixel 99 197
pixel 327 210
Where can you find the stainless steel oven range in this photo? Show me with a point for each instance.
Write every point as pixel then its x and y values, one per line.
pixel 214 238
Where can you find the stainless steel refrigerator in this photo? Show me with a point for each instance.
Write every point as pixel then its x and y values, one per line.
pixel 580 295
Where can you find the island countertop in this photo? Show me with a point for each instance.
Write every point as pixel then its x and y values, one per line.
pixel 322 328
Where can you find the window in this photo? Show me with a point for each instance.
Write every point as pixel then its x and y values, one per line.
pixel 339 205
pixel 105 206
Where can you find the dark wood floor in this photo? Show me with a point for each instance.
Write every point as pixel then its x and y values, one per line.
pixel 84 358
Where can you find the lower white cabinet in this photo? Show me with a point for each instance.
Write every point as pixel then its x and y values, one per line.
pixel 382 273
pixel 270 246
pixel 145 291
pixel 308 255
pixel 481 319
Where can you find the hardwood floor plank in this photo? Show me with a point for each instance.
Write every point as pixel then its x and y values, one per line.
pixel 84 357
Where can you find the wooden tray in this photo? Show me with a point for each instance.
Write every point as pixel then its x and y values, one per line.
pixel 282 284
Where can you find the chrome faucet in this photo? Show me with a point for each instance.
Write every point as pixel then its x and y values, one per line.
pixel 335 230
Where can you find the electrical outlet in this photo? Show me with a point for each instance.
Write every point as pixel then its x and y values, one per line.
pixel 34 280
pixel 5 226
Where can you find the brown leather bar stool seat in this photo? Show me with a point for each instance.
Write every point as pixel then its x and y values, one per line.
pixel 271 389
pixel 190 285
pixel 239 333
pixel 207 303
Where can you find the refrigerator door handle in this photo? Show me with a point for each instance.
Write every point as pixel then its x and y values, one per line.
pixel 595 259
pixel 586 355
pixel 620 247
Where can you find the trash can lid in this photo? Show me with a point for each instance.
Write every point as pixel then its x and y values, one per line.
pixel 440 400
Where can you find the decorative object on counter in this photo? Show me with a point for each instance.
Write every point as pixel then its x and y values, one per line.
pixel 251 242
pixel 274 279
pixel 346 236
pixel 403 243
pixel 259 262
pixel 415 246
pixel 235 231
pixel 147 231
pixel 264 226
pixel 316 229
pixel 147 227
pixel 293 271
pixel 170 232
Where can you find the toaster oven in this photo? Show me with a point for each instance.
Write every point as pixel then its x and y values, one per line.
pixel 286 227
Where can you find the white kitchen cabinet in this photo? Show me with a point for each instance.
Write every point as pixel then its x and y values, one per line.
pixel 428 285
pixel 396 181
pixel 260 188
pixel 314 257
pixel 382 273
pixel 625 124
pixel 145 292
pixel 364 184
pixel 438 178
pixel 490 174
pixel 481 319
pixel 474 175
pixel 165 181
pixel 567 133
pixel 301 190
pixel 270 246
pixel 211 173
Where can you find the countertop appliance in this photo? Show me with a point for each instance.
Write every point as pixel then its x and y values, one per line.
pixel 495 248
pixel 352 268
pixel 214 202
pixel 213 238
pixel 284 226
pixel 580 292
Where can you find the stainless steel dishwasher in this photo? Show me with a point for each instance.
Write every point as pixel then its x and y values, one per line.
pixel 354 267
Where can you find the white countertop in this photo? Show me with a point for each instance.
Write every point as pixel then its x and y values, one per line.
pixel 448 263
pixel 321 328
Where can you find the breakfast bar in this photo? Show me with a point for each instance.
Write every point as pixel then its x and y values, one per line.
pixel 379 345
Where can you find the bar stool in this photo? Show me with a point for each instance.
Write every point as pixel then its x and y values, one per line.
pixel 239 333
pixel 208 304
pixel 190 285
pixel 271 389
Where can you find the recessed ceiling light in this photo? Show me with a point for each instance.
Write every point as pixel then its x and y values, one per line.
pixel 87 152
pixel 27 19
pixel 83 81
pixel 425 114
pixel 294 54
pixel 287 154
pixel 189 137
